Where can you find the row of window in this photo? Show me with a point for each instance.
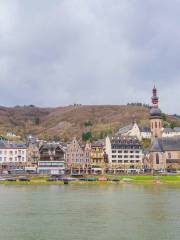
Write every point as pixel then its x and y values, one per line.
pixel 16 159
pixel 5 152
pixel 125 156
pixel 125 151
pixel 156 125
pixel 125 161
pixel 125 147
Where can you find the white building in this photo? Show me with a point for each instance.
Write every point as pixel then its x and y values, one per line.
pixel 12 152
pixel 51 167
pixel 169 132
pixel 134 130
pixel 13 156
pixel 125 154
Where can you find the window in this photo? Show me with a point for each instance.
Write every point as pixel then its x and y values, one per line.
pixel 119 151
pixel 155 124
pixel 119 156
pixel 169 155
pixel 125 156
pixel 113 151
pixel 113 156
pixel 157 158
pixel 125 151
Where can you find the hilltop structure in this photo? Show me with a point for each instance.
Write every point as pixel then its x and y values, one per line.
pixel 134 130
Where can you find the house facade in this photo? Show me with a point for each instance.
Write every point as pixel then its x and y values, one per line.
pixel 52 160
pixel 125 154
pixel 13 156
pixel 77 157
pixel 98 158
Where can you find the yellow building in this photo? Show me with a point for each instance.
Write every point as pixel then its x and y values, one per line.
pixel 98 159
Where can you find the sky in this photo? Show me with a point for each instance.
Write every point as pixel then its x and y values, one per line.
pixel 60 52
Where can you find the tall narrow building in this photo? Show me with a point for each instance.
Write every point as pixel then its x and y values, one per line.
pixel 155 117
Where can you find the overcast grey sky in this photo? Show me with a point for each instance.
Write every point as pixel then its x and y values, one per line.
pixel 58 52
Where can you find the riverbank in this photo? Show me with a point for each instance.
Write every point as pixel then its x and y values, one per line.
pixel 111 179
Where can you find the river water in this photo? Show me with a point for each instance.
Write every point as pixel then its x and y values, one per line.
pixel 112 212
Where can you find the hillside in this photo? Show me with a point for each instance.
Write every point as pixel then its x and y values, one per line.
pixel 65 122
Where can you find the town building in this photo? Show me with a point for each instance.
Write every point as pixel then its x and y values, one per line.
pixel 125 154
pixel 13 157
pixel 169 132
pixel 52 161
pixel 98 159
pixel 164 153
pixel 134 130
pixel 33 157
pixel 77 157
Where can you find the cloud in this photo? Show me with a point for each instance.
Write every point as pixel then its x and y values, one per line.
pixel 59 52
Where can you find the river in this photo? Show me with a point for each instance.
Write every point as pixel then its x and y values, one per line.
pixel 105 212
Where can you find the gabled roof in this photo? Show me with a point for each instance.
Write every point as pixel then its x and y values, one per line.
pixel 51 147
pixel 13 145
pixel 125 129
pixel 166 144
pixel 171 144
pixel 157 145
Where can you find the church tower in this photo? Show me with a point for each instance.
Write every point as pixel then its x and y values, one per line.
pixel 155 117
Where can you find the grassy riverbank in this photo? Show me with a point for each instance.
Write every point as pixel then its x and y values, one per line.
pixel 137 179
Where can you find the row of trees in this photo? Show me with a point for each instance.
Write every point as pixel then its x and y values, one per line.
pixel 138 104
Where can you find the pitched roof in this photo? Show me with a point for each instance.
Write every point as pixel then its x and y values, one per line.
pixel 125 129
pixel 144 129
pixel 166 144
pixel 167 130
pixel 177 129
pixel 13 145
pixel 157 146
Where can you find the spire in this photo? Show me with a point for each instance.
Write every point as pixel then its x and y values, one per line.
pixel 155 99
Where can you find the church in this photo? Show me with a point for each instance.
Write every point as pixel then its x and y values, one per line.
pixel 164 153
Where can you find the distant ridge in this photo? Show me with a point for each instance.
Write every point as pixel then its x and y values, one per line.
pixel 65 122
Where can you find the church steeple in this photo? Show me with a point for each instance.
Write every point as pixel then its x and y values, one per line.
pixel 155 116
pixel 155 99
